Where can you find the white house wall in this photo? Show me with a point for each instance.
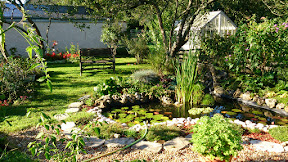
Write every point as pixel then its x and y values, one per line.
pixel 63 32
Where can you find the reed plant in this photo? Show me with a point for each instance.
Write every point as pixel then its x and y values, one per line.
pixel 188 89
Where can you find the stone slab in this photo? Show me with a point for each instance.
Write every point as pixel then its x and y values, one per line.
pixel 68 125
pixel 119 142
pixel 72 110
pixel 147 146
pixel 176 144
pixel 75 105
pixel 61 116
pixel 93 142
pixel 267 146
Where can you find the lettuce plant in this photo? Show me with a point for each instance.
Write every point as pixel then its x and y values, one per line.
pixel 216 137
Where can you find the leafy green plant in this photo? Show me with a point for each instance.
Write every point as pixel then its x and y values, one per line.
pixel 208 100
pixel 279 133
pixel 216 137
pixel 104 130
pixel 162 132
pixel 110 86
pixel 188 90
pixel 50 148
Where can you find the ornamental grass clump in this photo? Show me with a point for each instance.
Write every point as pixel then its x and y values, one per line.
pixel 216 137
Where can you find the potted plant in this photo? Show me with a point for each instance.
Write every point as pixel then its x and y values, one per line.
pixel 216 138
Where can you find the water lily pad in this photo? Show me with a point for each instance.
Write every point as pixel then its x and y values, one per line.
pixel 149 115
pixel 263 122
pixel 257 112
pixel 276 117
pixel 125 108
pixel 231 113
pixel 167 113
pixel 165 118
pixel 281 123
pixel 249 115
pixel 284 120
pixel 224 112
pixel 262 119
pixel 152 110
pixel 136 107
pixel 236 110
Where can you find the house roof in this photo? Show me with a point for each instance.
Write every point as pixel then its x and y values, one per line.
pixel 47 11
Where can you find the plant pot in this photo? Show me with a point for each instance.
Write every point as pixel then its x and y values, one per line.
pixel 207 159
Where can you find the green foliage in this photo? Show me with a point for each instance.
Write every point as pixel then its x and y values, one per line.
pixel 16 78
pixel 162 132
pixel 136 115
pixel 146 76
pixel 109 86
pixel 137 47
pixel 255 130
pixel 197 111
pixel 105 130
pixel 50 148
pixel 279 133
pixel 208 100
pixel 111 33
pixel 216 137
pixel 188 90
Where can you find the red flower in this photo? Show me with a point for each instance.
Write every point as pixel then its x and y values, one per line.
pixel 68 55
pixel 74 55
pixel 47 54
pixel 53 54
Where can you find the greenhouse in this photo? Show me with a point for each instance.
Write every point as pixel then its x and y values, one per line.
pixel 215 22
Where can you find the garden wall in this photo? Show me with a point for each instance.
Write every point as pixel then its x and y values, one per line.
pixel 61 31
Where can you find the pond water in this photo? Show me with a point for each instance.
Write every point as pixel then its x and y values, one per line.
pixel 227 108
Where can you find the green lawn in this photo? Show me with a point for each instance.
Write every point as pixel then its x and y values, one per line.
pixel 68 86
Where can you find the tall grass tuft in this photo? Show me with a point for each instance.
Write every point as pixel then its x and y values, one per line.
pixel 188 89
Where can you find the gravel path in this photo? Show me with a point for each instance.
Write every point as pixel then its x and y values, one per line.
pixel 21 139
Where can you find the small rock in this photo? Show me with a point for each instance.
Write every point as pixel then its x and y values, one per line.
pixel 116 135
pixel 189 119
pixel 280 106
pixel 61 116
pixel 284 144
pixel 237 93
pixel 93 142
pixel 286 148
pixel 286 108
pixel 166 100
pixel 246 140
pixel 246 96
pixel 75 105
pixel 176 144
pixel 119 142
pixel 259 100
pixel 260 126
pixel 84 97
pixel 267 146
pixel 68 125
pixel 147 146
pixel 72 110
pixel 270 102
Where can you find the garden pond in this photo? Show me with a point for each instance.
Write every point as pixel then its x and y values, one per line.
pixel 156 112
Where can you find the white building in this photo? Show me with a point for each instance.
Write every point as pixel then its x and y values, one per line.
pixel 208 24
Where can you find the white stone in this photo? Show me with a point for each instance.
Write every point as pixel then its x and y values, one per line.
pixel 116 135
pixel 147 146
pixel 61 116
pixel 119 142
pixel 286 148
pixel 280 106
pixel 260 126
pixel 189 119
pixel 176 144
pixel 93 142
pixel 246 96
pixel 248 122
pixel 72 110
pixel 265 129
pixel 272 126
pixel 169 123
pixel 75 105
pixel 266 146
pixel 271 103
pixel 68 125
pixel 124 125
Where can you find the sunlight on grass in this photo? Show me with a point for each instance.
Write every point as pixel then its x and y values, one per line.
pixel 68 86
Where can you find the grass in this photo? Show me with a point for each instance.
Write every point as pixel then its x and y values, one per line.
pixel 68 87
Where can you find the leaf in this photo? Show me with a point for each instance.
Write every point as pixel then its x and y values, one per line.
pixel 97 131
pixel 68 144
pixel 82 142
pixel 57 131
pixel 41 79
pixel 28 113
pixel 34 66
pixel 8 123
pixel 49 84
pixel 29 50
pixel 46 126
pixel 41 134
pixel 45 116
pixel 47 140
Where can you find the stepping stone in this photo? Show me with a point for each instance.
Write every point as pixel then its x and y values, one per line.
pixel 176 144
pixel 189 137
pixel 72 110
pixel 61 116
pixel 68 125
pixel 147 146
pixel 267 146
pixel 75 105
pixel 93 142
pixel 119 142
pixel 84 97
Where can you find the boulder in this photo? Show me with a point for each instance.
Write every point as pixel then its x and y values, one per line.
pixel 68 125
pixel 119 142
pixel 267 146
pixel 93 142
pixel 84 98
pixel 237 93
pixel 259 100
pixel 271 103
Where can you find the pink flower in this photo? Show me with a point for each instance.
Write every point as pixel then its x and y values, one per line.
pixel 229 55
pixel 276 30
pixel 247 49
pixel 226 60
pixel 275 25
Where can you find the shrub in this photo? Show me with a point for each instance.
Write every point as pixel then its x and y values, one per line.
pixel 216 137
pixel 208 100
pixel 279 133
pixel 146 76
pixel 16 79
pixel 162 132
